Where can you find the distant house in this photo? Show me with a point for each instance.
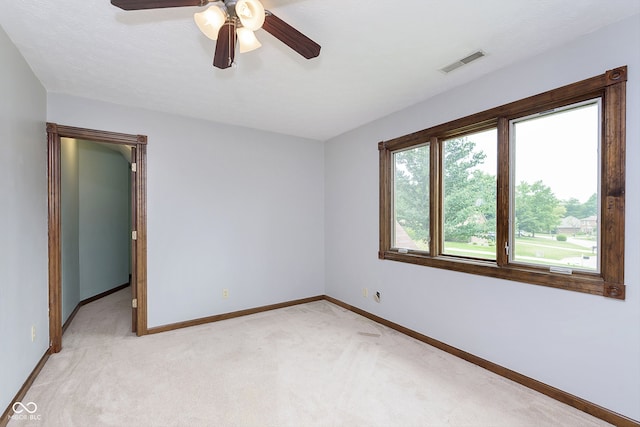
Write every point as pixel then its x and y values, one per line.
pixel 569 225
pixel 589 224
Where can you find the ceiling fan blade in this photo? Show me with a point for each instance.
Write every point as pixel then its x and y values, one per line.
pixel 225 46
pixel 155 4
pixel 290 36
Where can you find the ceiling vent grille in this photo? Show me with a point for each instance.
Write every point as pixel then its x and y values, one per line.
pixel 464 61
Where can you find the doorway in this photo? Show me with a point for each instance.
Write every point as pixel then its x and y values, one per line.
pixel 138 282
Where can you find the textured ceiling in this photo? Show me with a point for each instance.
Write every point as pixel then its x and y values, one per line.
pixel 377 57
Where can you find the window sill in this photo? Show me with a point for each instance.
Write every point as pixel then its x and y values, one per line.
pixel 577 282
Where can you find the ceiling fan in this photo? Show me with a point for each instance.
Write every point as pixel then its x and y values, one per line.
pixel 231 21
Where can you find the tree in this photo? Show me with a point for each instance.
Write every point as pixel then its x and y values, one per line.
pixel 459 158
pixel 469 194
pixel 411 193
pixel 590 207
pixel 537 208
pixel 573 207
pixel 470 207
pixel 581 210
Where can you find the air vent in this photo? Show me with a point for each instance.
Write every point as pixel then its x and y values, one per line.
pixel 460 62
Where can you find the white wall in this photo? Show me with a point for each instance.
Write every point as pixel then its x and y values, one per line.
pixel 103 219
pixel 23 221
pixel 228 207
pixel 585 345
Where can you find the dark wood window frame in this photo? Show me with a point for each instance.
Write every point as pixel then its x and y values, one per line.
pixel 610 87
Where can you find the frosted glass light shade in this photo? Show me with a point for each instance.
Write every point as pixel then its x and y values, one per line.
pixel 209 21
pixel 251 13
pixel 247 40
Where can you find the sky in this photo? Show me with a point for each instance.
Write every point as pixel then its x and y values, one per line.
pixel 560 149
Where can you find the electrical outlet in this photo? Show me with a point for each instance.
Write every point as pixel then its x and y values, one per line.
pixel 377 296
pixel 33 333
pixel 365 292
pixel 225 293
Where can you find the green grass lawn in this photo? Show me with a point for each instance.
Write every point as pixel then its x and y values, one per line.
pixel 469 250
pixel 550 249
pixel 537 250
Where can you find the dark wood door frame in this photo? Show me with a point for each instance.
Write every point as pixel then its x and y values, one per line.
pixel 139 208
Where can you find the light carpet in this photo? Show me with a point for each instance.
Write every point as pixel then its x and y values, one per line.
pixel 313 364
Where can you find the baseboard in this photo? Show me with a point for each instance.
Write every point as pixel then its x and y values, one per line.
pixel 23 390
pixel 92 299
pixel 557 394
pixel 231 315
pixel 103 294
pixel 70 318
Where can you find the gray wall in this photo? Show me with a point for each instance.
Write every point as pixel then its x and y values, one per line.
pixel 95 221
pixel 23 221
pixel 565 339
pixel 103 219
pixel 70 241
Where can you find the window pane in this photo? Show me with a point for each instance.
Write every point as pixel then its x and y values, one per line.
pixel 556 184
pixel 411 199
pixel 469 194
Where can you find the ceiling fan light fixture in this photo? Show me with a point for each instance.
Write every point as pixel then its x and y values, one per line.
pixel 251 14
pixel 210 21
pixel 247 40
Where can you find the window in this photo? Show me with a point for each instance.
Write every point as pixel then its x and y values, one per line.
pixel 531 191
pixel 411 198
pixel 555 192
pixel 469 195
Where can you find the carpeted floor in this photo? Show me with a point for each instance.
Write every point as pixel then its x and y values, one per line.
pixel 314 364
